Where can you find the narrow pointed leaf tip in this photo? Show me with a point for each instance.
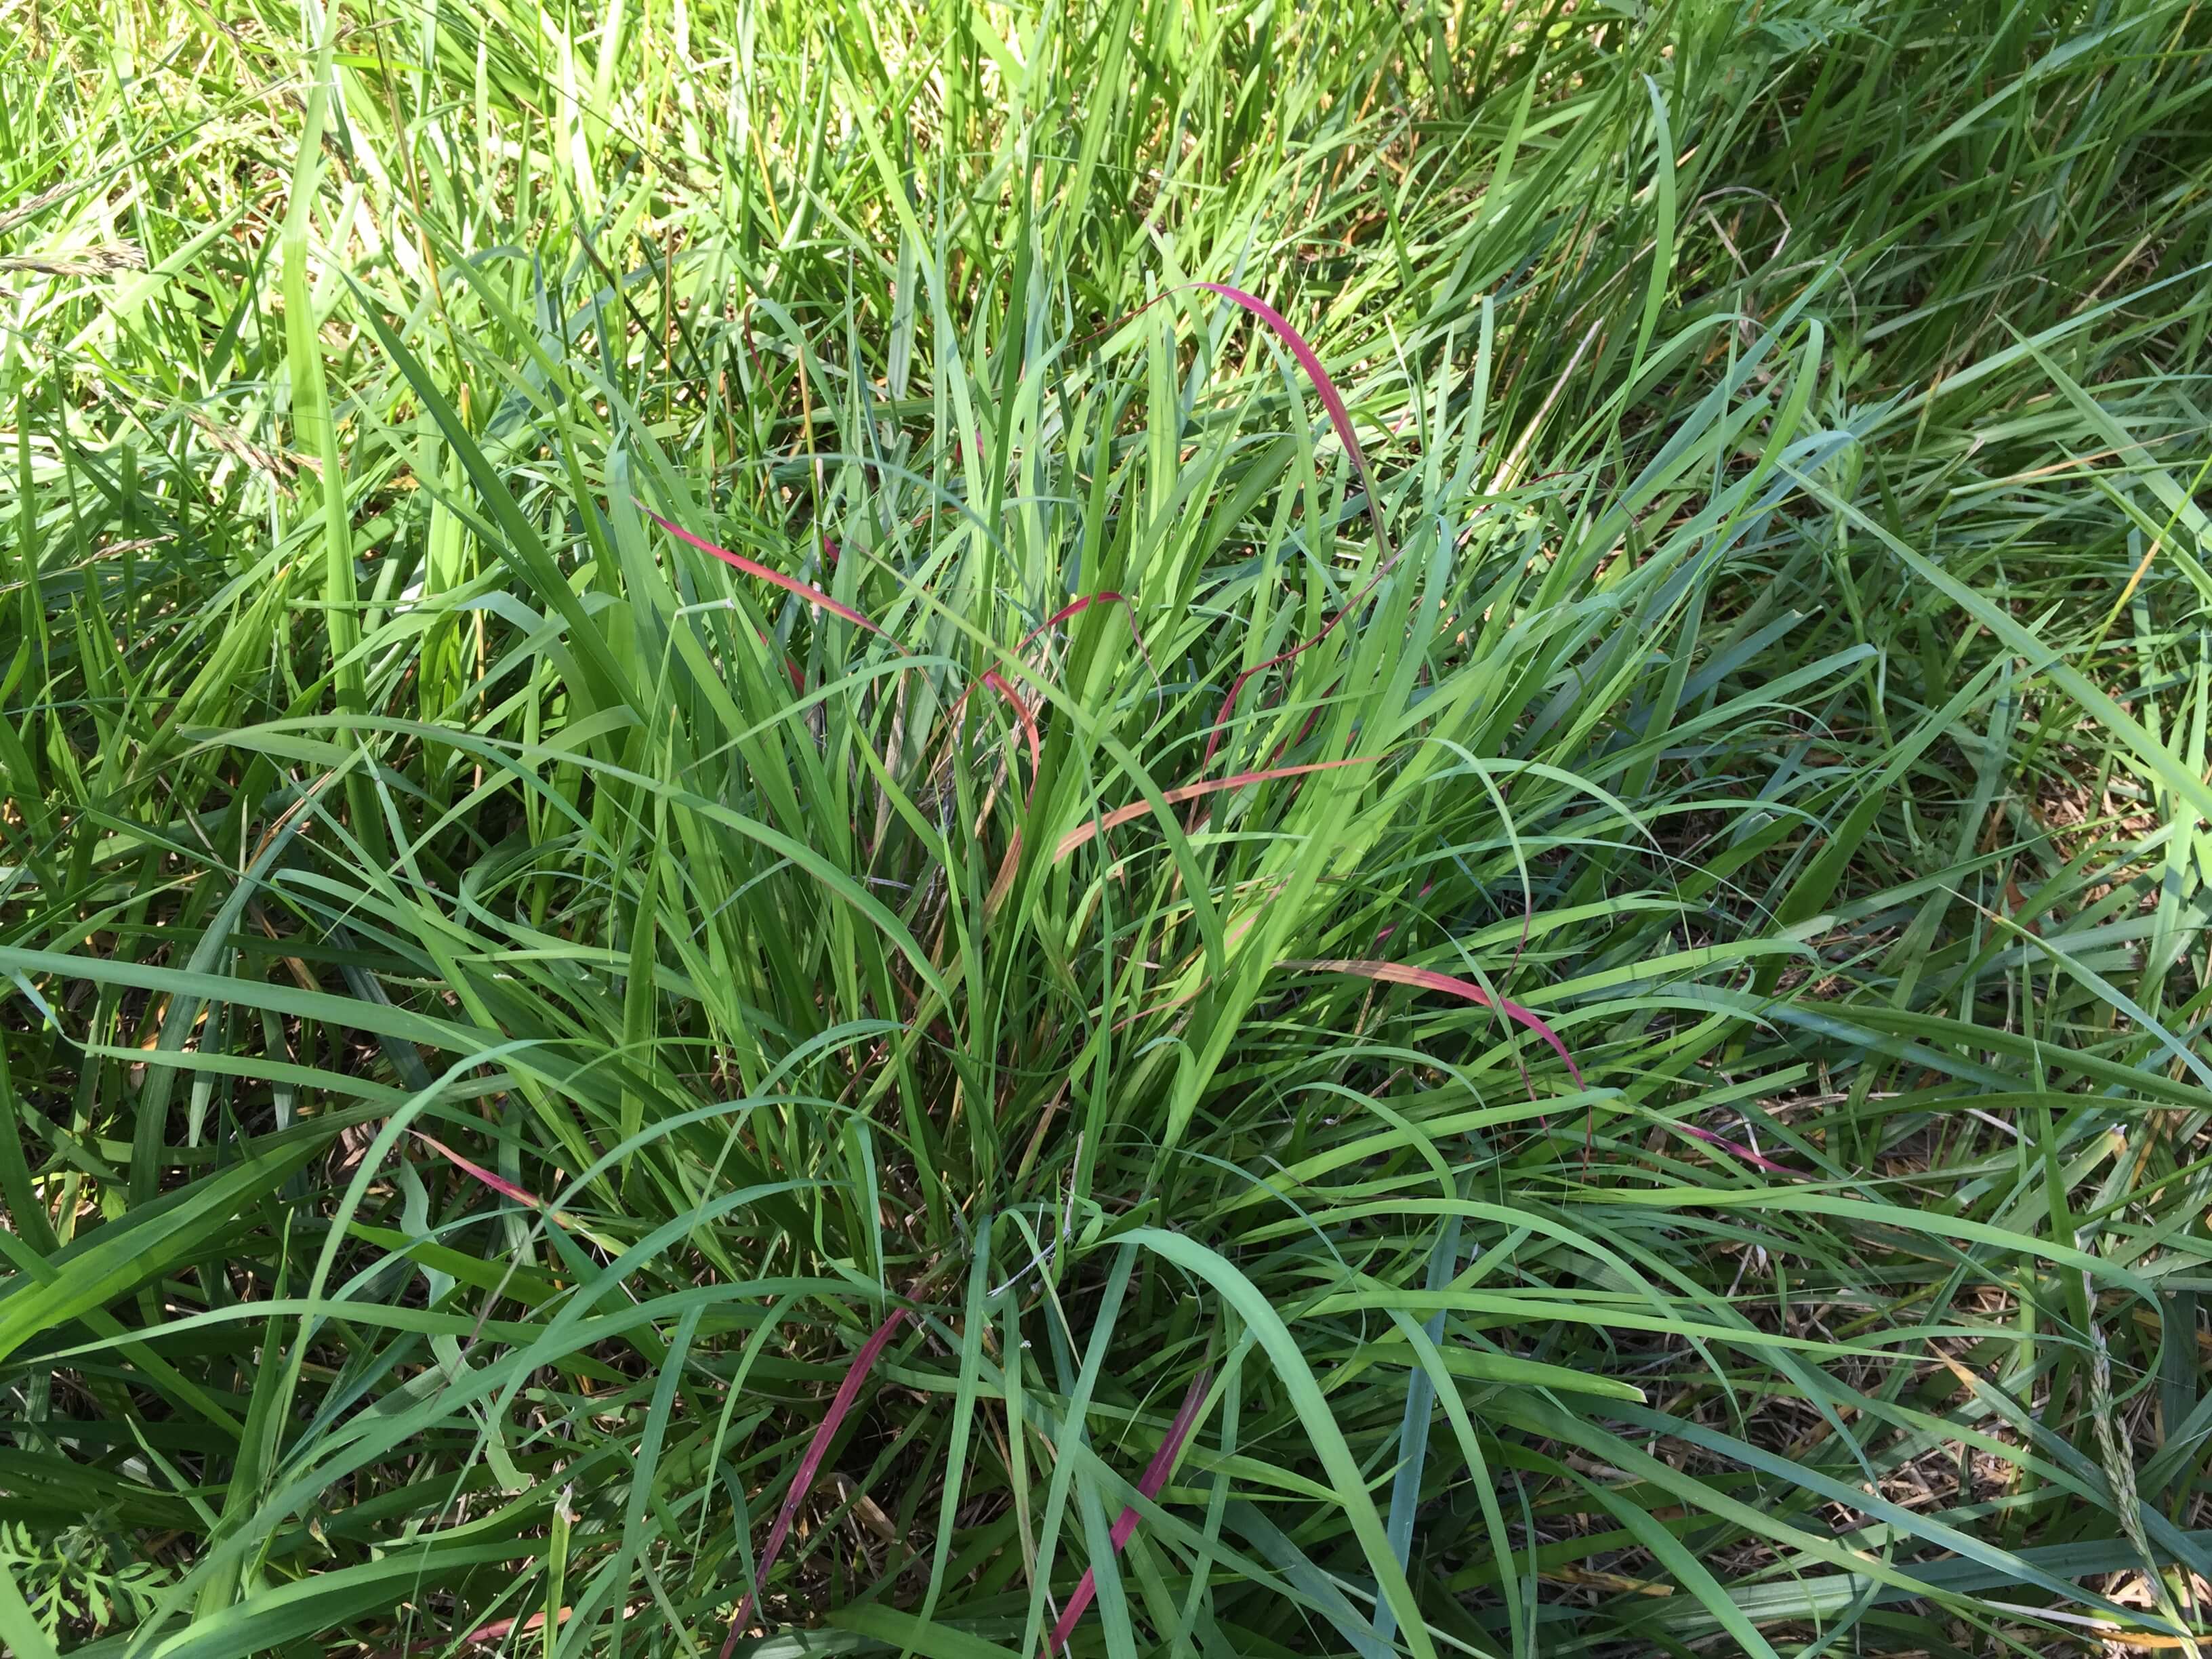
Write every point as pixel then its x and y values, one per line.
pixel 1154 1481
pixel 840 1406
pixel 1427 979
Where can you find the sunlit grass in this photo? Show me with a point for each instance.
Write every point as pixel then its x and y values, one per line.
pixel 730 813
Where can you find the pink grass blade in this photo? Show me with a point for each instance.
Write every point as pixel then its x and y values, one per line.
pixel 817 1449
pixel 484 1635
pixel 997 682
pixel 1428 887
pixel 1331 399
pixel 498 1183
pixel 1736 1150
pixel 1340 416
pixel 1121 815
pixel 1235 687
pixel 1308 360
pixel 813 596
pixel 1154 1479
pixel 1023 713
pixel 1427 979
pixel 1077 607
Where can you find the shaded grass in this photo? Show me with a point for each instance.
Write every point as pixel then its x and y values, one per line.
pixel 503 1002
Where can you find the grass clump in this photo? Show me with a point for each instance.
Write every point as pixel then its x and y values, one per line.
pixel 1242 830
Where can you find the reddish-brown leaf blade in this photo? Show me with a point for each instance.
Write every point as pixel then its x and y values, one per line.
pixel 1331 398
pixel 1154 1479
pixel 813 596
pixel 500 1628
pixel 997 682
pixel 1235 686
pixel 1077 607
pixel 1309 361
pixel 817 1449
pixel 1121 815
pixel 1736 1150
pixel 1428 979
pixel 1341 417
pixel 498 1183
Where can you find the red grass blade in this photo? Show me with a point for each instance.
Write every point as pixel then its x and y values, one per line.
pixel 1125 1525
pixel 1331 398
pixel 498 1183
pixel 999 683
pixel 847 1392
pixel 1427 887
pixel 1341 418
pixel 1741 1152
pixel 1072 608
pixel 1307 358
pixel 487 1634
pixel 1120 814
pixel 1427 979
pixel 993 679
pixel 484 1636
pixel 1077 607
pixel 813 596
pixel 1235 686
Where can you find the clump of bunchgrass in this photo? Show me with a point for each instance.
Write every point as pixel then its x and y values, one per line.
pixel 1288 832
